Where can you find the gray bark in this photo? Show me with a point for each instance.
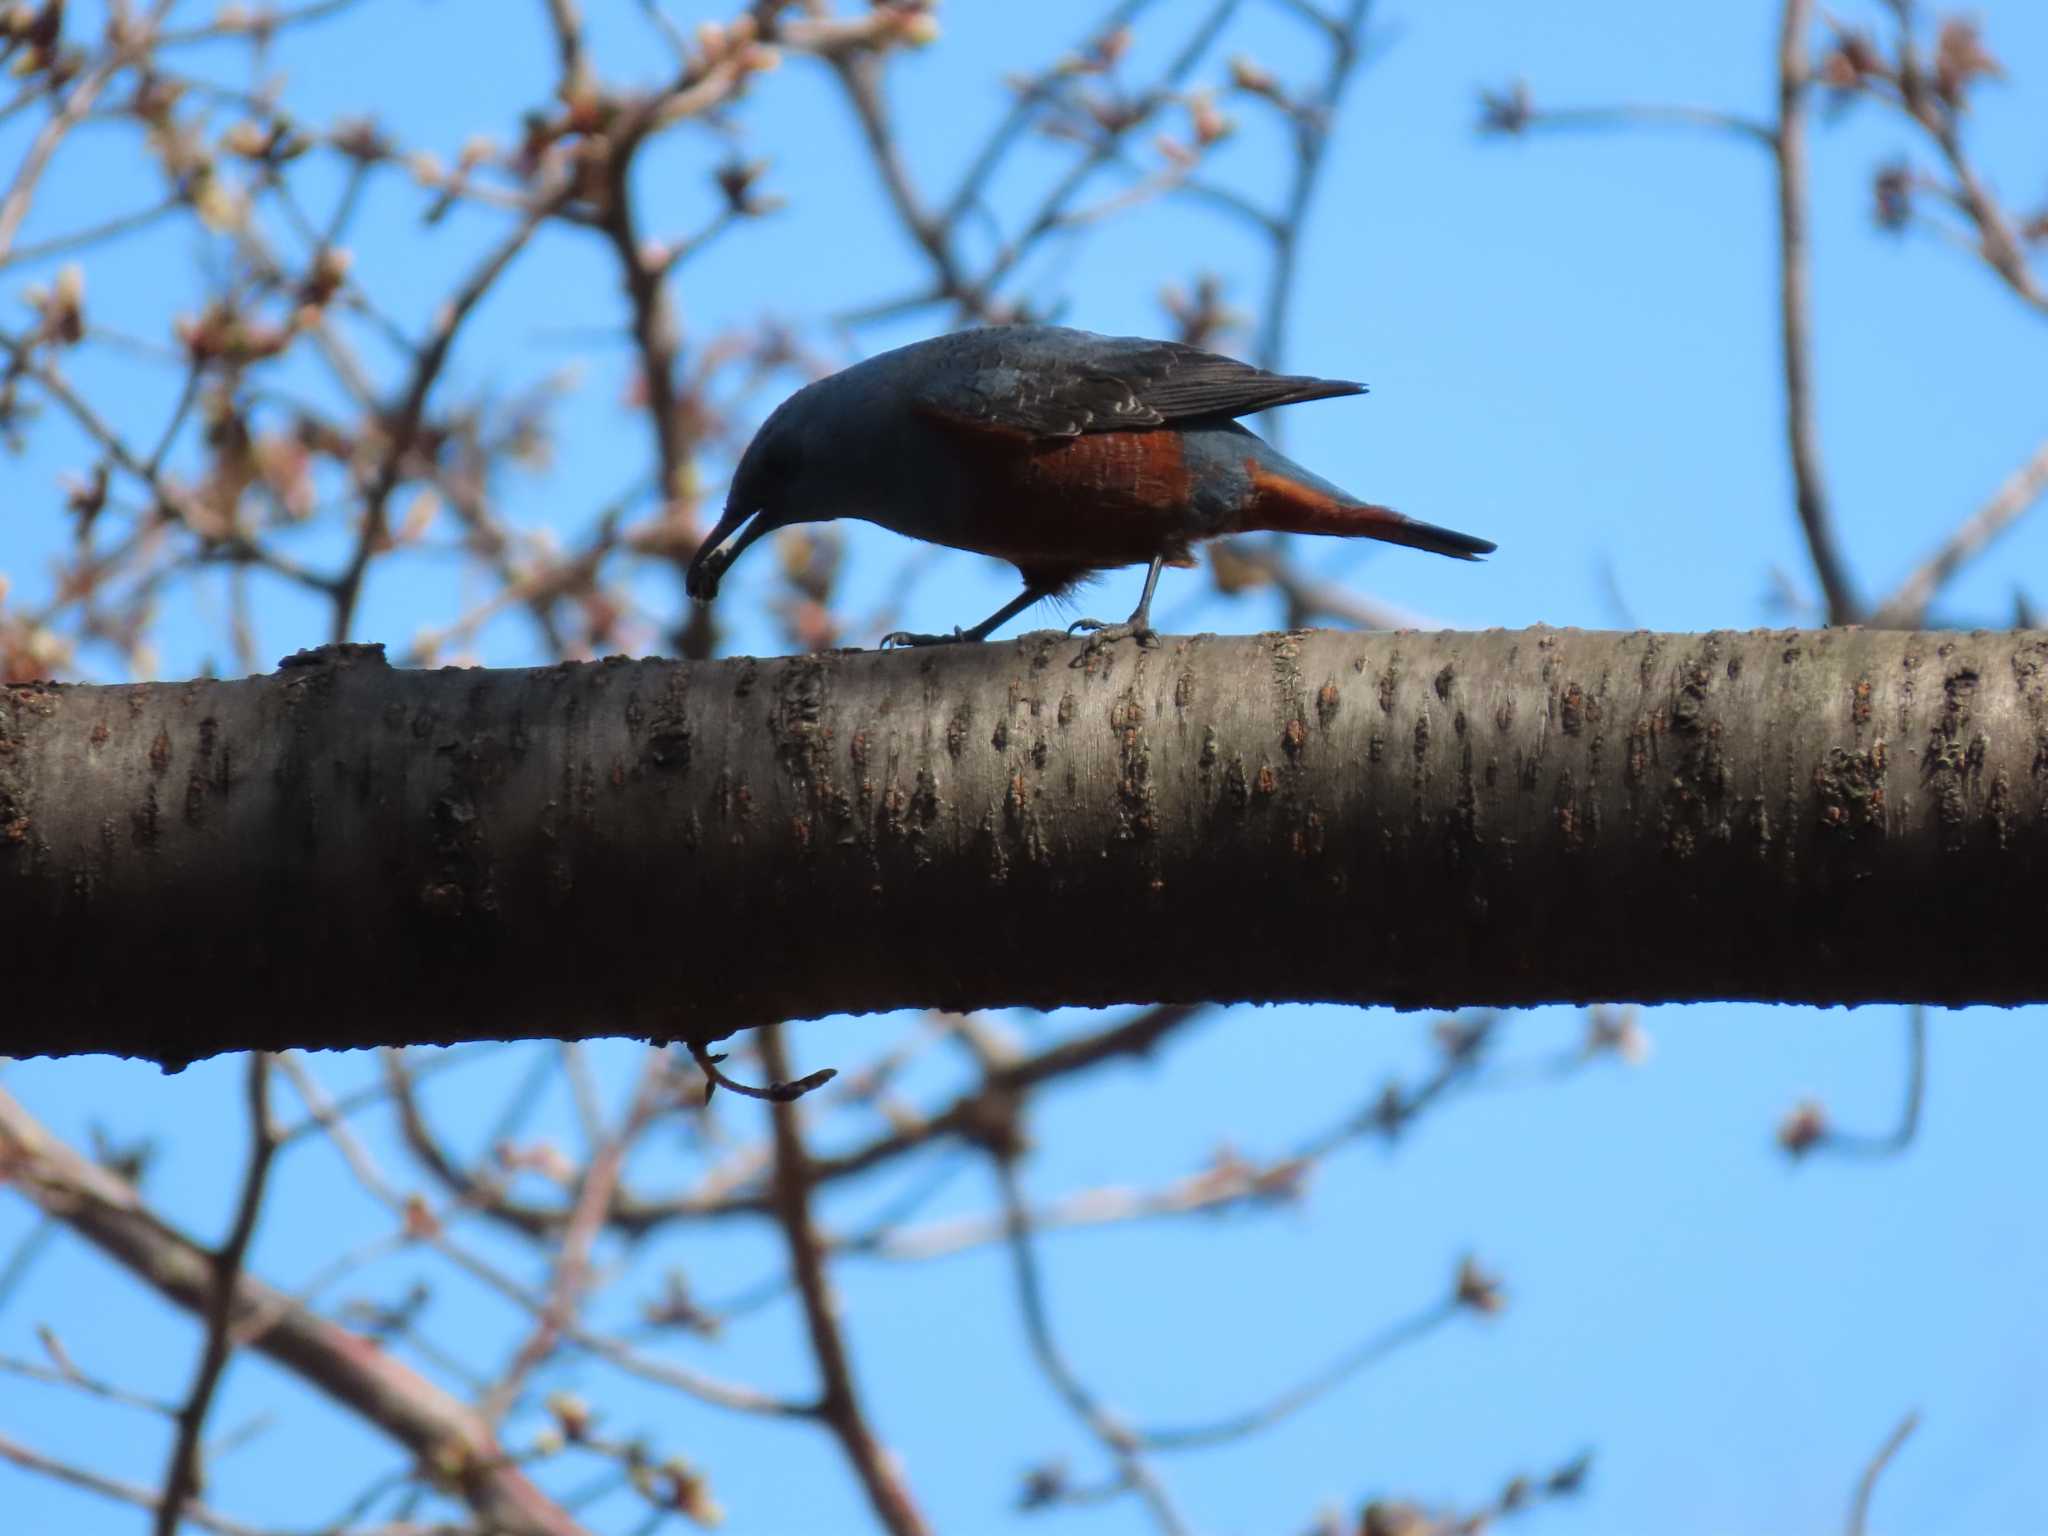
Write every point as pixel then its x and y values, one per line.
pixel 341 853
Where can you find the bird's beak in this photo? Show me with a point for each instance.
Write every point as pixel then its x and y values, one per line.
pixel 710 561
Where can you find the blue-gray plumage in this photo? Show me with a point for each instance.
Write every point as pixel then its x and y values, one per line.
pixel 1061 451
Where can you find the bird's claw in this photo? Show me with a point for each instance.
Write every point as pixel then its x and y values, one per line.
pixel 906 637
pixel 1103 634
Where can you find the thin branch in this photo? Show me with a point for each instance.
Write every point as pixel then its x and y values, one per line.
pixel 169 435
pixel 433 1427
pixel 403 422
pixel 1629 115
pixel 673 35
pixel 1806 1129
pixel 860 74
pixel 975 297
pixel 999 143
pixel 1909 90
pixel 1316 17
pixel 1787 141
pixel 31 1247
pixel 340 1108
pixel 709 1389
pixel 568 30
pixel 230 544
pixel 777 1092
pixel 14 204
pixel 572 1258
pixel 106 229
pixel 1866 1485
pixel 1312 142
pixel 260 28
pixel 1204 1194
pixel 2022 489
pixel 66 1374
pixel 839 1406
pixel 1366 1353
pixel 1053 206
pixel 1115 1436
pixel 126 1493
pixel 575 1065
pixel 1795 314
pixel 728 1191
pixel 328 1117
pixel 182 1479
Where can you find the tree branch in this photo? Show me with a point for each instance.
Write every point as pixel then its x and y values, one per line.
pixel 353 854
pixel 436 1429
pixel 31 1460
pixel 839 1405
pixel 1124 1446
pixel 182 1480
pixel 1795 315
pixel 2021 490
pixel 1866 1485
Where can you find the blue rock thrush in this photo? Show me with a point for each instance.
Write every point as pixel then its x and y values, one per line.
pixel 1062 452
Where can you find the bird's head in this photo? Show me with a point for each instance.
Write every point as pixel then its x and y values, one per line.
pixel 764 497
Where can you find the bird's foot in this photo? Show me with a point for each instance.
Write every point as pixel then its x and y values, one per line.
pixel 1102 635
pixel 906 637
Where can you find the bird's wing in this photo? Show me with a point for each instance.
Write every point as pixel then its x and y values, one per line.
pixel 1051 383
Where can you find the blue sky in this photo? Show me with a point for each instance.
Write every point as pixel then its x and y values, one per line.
pixel 1570 342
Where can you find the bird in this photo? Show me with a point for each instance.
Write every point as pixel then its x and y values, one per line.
pixel 1061 451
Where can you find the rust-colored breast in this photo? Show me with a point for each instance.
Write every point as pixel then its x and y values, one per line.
pixel 1089 502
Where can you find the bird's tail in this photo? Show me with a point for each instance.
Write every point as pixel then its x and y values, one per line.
pixel 1285 503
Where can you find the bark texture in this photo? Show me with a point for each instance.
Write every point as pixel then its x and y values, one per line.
pixel 341 853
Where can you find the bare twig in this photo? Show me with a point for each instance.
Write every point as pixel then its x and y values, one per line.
pixel 14 204
pixel 2020 492
pixel 568 29
pixel 736 1191
pixel 1230 1184
pixel 1311 143
pixel 976 297
pixel 839 1405
pixel 109 1213
pixel 402 424
pixel 1366 1353
pixel 1795 314
pixel 1786 138
pixel 113 1488
pixel 1506 117
pixel 329 1118
pixel 1806 1128
pixel 258 25
pixel 572 1257
pixel 860 74
pixel 182 1479
pixel 66 1373
pixel 1123 1445
pixel 777 1092
pixel 93 234
pixel 1866 1485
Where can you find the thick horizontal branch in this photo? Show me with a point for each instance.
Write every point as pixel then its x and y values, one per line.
pixel 342 853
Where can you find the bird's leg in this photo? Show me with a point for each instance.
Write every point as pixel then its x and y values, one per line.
pixel 1137 627
pixel 981 631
